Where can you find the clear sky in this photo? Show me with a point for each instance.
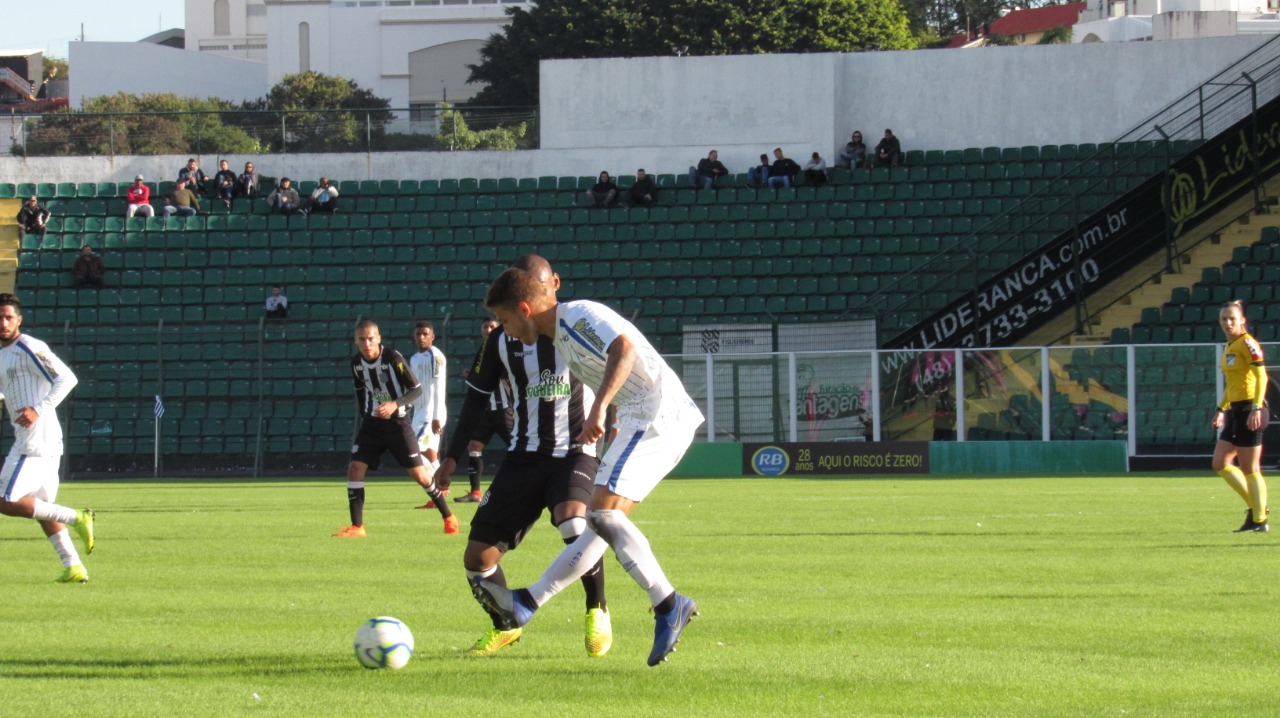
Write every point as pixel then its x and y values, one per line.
pixel 49 25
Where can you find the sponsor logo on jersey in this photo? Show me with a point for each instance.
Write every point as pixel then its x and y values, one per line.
pixel 549 387
pixel 588 333
pixel 1231 360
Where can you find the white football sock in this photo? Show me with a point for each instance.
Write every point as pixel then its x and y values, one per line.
pixel 575 560
pixel 66 550
pixel 45 511
pixel 481 574
pixel 633 552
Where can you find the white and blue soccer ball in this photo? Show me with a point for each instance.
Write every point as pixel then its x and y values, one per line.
pixel 384 642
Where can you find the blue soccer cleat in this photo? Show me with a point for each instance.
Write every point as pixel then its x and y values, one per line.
pixel 666 634
pixel 502 602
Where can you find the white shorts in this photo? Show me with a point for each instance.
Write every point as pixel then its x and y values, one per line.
pixel 24 476
pixel 638 458
pixel 428 441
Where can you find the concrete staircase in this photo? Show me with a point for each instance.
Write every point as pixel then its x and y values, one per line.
pixel 1149 284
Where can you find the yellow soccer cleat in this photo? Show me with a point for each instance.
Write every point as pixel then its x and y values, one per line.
pixel 494 640
pixel 351 532
pixel 73 574
pixel 84 527
pixel 599 638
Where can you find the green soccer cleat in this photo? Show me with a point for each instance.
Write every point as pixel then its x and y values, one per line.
pixel 494 640
pixel 599 637
pixel 73 574
pixel 84 527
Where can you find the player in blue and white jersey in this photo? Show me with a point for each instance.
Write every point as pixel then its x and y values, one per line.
pixel 545 466
pixel 429 411
pixel 34 381
pixel 656 423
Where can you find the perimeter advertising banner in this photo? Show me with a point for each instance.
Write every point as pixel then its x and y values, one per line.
pixel 842 457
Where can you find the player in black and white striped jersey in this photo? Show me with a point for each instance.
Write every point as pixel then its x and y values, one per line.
pixel 385 386
pixel 497 421
pixel 33 382
pixel 545 466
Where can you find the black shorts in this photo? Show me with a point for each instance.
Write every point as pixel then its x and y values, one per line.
pixel 526 484
pixel 378 436
pixel 1235 427
pixel 497 422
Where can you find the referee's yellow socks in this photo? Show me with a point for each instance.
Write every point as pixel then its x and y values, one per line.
pixel 1258 496
pixel 1235 479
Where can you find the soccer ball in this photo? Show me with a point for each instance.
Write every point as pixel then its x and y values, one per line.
pixel 384 642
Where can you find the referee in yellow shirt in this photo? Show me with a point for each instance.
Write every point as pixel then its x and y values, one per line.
pixel 1242 417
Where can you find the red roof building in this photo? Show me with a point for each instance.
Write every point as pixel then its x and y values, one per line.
pixel 1024 27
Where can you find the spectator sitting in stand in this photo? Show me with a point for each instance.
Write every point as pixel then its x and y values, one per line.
pixel 644 192
pixel 854 153
pixel 758 176
pixel 33 217
pixel 139 198
pixel 815 170
pixel 88 269
pixel 248 181
pixel 324 198
pixel 181 201
pixel 194 177
pixel 782 169
pixel 604 193
pixel 224 183
pixel 285 199
pixel 888 152
pixel 709 169
pixel 277 304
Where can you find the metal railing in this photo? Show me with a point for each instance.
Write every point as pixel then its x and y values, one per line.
pixel 238 131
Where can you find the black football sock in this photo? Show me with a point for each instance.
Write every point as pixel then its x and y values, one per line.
pixel 475 470
pixel 355 501
pixel 498 579
pixel 441 504
pixel 666 605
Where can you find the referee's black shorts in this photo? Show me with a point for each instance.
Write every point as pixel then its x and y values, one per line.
pixel 525 484
pixel 379 436
pixel 497 421
pixel 1235 427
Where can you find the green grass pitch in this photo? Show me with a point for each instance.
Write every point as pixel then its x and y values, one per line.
pixel 1113 596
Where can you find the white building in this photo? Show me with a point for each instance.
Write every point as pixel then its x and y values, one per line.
pixel 1128 20
pixel 412 52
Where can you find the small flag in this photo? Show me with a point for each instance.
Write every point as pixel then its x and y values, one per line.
pixel 159 407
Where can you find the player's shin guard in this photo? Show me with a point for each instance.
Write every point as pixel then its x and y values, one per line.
pixel 355 501
pixel 593 579
pixel 1235 479
pixel 45 511
pixel 1257 496
pixel 475 469
pixel 575 560
pixel 632 549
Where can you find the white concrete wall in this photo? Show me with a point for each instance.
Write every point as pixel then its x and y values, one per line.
pixel 669 111
pixel 105 68
pixel 1183 25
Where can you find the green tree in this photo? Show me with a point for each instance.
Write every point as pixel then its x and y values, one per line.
pixel 124 124
pixel 323 113
pixel 559 29
pixel 56 68
pixel 456 135
pixel 1055 36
